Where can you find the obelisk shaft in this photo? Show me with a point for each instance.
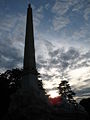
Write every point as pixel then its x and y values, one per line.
pixel 29 51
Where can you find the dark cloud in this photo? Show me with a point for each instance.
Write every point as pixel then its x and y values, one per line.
pixel 61 58
pixel 87 80
pixel 9 56
pixel 83 92
pixel 9 62
pixel 65 61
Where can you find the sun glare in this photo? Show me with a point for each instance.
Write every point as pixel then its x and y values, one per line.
pixel 53 93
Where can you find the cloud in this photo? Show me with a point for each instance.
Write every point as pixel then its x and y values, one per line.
pixel 62 7
pixel 87 13
pixel 65 64
pixel 9 56
pixel 38 15
pixel 81 36
pixel 78 6
pixel 11 40
pixel 65 9
pixel 47 6
pixel 60 22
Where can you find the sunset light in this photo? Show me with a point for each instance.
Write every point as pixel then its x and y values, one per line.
pixel 53 93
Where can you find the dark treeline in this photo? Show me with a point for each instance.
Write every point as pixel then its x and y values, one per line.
pixel 10 82
pixel 86 104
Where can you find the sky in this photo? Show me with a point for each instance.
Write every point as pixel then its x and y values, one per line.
pixel 62 41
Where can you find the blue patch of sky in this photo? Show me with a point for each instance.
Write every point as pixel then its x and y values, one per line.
pixel 38 3
pixel 13 7
pixel 76 22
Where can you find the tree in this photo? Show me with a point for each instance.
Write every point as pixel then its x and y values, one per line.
pixel 66 92
pixel 86 104
pixel 40 84
pixel 9 83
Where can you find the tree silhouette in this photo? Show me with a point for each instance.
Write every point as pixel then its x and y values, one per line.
pixel 86 104
pixel 9 83
pixel 66 92
pixel 40 84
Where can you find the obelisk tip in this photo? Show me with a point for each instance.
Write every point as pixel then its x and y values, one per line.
pixel 29 5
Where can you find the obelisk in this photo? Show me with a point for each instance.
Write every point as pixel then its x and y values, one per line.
pixel 29 51
pixel 28 97
pixel 30 80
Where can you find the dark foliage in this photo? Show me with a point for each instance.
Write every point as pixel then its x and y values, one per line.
pixel 40 84
pixel 86 104
pixel 66 92
pixel 9 83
